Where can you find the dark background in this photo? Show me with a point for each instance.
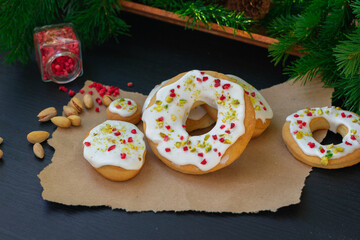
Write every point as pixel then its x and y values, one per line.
pixel 330 202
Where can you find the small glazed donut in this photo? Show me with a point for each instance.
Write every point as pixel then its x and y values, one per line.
pixel 165 117
pixel 297 135
pixel 197 119
pixel 124 109
pixel 115 149
pixel 263 111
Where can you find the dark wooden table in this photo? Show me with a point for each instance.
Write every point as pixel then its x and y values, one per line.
pixel 330 202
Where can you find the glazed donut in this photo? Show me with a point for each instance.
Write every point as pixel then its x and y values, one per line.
pixel 166 114
pixel 263 111
pixel 297 135
pixel 124 109
pixel 197 119
pixel 115 149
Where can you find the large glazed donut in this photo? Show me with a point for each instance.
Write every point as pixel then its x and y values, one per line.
pixel 197 119
pixel 263 111
pixel 297 135
pixel 115 149
pixel 166 114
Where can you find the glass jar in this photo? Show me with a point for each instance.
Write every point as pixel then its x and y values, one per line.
pixel 58 53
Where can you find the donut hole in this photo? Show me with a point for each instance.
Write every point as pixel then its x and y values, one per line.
pixel 201 131
pixel 321 133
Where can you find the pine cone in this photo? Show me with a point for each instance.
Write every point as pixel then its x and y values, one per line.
pixel 256 9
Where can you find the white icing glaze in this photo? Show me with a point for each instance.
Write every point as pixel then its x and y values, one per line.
pixel 195 114
pixel 125 107
pixel 336 117
pixel 103 136
pixel 164 119
pixel 262 108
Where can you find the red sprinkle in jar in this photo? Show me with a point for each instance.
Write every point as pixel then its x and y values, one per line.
pixel 58 53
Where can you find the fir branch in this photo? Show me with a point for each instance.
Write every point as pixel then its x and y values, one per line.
pixel 347 55
pixel 95 20
pixel 205 11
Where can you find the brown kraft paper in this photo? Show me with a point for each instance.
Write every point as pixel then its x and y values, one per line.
pixel 265 177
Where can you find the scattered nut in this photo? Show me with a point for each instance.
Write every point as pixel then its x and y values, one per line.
pixel 47 114
pixel 107 99
pixel 88 101
pixel 69 111
pixel 76 104
pixel 75 120
pixel 1 140
pixel 38 150
pixel 37 136
pixel 61 121
pixel 1 153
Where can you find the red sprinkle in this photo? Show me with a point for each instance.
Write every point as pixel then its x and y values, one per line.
pixel 353 137
pixel 343 114
pixel 181 137
pixel 133 131
pixel 130 139
pixel 295 132
pixel 172 90
pixel 160 119
pixel 123 155
pixel 200 154
pixel 97 109
pixel 166 138
pixel 118 106
pixel 124 141
pixel 349 116
pixel 261 103
pixel 202 73
pixel 214 137
pixel 217 80
pixel 129 102
pixel 112 147
pixel 203 162
pixel 296 115
pixel 222 97
pixel 167 149
pixel 222 126
pixel 90 92
pixel 304 124
pixel 217 85
pixel 253 94
pixel 178 86
pixel 322 150
pixel 215 149
pixel 265 108
pixel 82 91
pixel 172 95
pixel 71 93
pixel 222 140
pixel 227 131
pixel 226 86
pixel 167 127
pixel 198 79
pixel 312 145
pixel 309 114
pixel 130 84
pixel 88 144
pixel 184 126
pixel 299 121
pixel 219 153
pixel 232 125
pixel 205 79
pixel 347 143
pixel 247 93
pixel 117 133
pixel 185 148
